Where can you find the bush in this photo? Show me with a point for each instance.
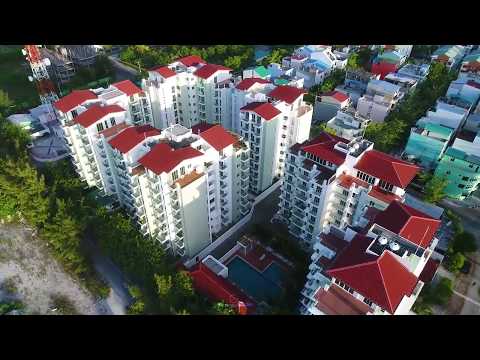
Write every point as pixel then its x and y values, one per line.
pixel 421 308
pixel 464 242
pixel 6 307
pixel 439 294
pixel 455 262
pixel 63 304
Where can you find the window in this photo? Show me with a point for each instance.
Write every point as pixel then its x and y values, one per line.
pixel 367 301
pixel 99 127
pixel 316 200
pixel 465 178
pixel 385 185
pixel 339 212
pixel 372 203
pixel 175 175
pixel 345 192
pixel 365 177
pixel 342 202
pixel 182 170
pixel 113 121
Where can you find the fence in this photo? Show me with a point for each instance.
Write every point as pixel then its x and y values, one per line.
pixel 202 254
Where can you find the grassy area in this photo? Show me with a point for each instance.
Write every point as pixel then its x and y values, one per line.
pixel 13 76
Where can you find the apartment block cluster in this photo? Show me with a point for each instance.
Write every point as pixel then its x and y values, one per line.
pixel 188 152
pixel 447 138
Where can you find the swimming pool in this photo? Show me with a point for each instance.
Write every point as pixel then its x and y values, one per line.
pixel 260 286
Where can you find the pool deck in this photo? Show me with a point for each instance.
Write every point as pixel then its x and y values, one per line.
pixel 255 257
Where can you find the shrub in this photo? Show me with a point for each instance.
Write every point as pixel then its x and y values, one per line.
pixel 63 304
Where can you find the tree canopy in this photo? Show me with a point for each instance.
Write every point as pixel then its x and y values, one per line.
pixel 435 189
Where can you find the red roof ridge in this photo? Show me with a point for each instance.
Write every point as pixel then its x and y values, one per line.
pixel 208 70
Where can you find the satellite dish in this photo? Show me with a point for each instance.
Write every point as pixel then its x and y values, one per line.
pixel 394 246
pixel 30 78
pixel 46 61
pixel 383 240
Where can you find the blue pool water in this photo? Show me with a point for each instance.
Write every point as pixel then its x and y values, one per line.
pixel 260 286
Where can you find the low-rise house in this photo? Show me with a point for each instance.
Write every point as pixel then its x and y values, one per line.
pixel 466 89
pixel 468 141
pixel 336 98
pixel 427 143
pixel 450 55
pixel 348 124
pixel 380 98
pixel 471 64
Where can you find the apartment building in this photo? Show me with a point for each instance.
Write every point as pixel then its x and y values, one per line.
pixel 373 270
pixel 272 127
pixel 189 91
pixel 449 111
pixel 87 115
pixel 348 124
pixel 470 65
pixel 427 143
pixel 380 98
pixel 329 181
pixel 355 84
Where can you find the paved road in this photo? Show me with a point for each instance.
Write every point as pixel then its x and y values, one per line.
pixel 119 297
pixel 122 72
pixel 472 296
pixel 262 214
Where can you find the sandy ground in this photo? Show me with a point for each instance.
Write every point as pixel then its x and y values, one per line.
pixel 37 275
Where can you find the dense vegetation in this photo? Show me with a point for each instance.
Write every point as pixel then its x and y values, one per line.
pixel 278 53
pixel 360 59
pixel 236 57
pixel 393 133
pixel 54 201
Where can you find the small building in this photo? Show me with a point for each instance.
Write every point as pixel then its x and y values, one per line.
pixel 468 141
pixel 450 55
pixel 471 63
pixel 379 100
pixel 348 124
pixel 336 98
pixel 427 143
pixel 386 63
pixel 462 171
pixel 466 89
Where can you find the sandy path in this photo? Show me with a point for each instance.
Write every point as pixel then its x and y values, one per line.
pixel 37 275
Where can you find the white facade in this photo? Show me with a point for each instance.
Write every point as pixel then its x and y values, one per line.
pixel 348 124
pixel 379 100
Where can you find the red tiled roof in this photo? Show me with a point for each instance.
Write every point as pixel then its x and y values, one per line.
pixel 247 83
pixel 127 87
pixel 264 109
pixel 163 158
pixel 191 60
pixel 387 168
pixel 382 195
pixel 95 113
pixel 336 301
pixel 201 127
pixel 383 280
pixel 337 95
pixel 131 137
pixel 347 181
pixel 209 69
pixel 218 137
pixel 332 242
pixel 286 93
pixel 220 289
pixel 409 223
pixel 323 147
pixel 429 270
pixel 164 71
pixel 74 99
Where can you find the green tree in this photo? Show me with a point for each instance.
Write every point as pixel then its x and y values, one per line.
pixel 5 102
pixel 435 189
pixel 221 308
pixel 455 262
pixel 464 242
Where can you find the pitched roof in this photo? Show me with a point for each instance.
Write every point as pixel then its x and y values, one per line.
pixel 247 83
pixel 264 109
pixel 218 288
pixel 74 99
pixel 208 70
pixel 95 113
pixel 201 127
pixel 127 87
pixel 338 95
pixel 387 168
pixel 323 147
pixel 131 137
pixel 383 280
pixel 286 93
pixel 336 301
pixel 163 158
pixel 218 137
pixel 164 71
pixel 191 60
pixel 409 223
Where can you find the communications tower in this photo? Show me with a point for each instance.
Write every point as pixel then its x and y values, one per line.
pixel 38 64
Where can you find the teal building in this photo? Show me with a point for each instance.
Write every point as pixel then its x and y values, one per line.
pixel 462 172
pixel 427 143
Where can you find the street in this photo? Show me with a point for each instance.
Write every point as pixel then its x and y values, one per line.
pixel 122 72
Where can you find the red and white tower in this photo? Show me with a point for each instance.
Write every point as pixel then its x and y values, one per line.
pixel 38 64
